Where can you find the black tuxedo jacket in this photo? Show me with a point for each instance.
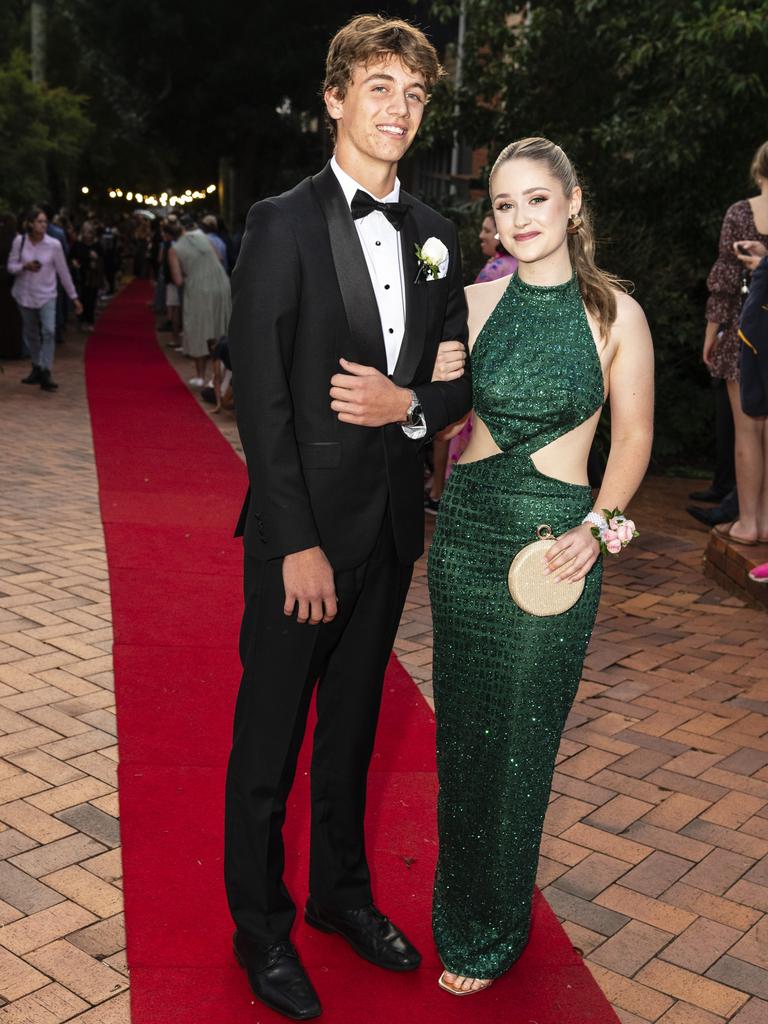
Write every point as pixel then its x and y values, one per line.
pixel 303 298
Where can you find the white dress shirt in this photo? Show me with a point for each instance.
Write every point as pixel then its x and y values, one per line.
pixel 380 242
pixel 383 257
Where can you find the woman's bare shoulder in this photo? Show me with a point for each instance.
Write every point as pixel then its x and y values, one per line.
pixel 482 299
pixel 630 331
pixel 486 293
pixel 629 312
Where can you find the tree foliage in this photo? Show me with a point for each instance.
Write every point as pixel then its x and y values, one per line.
pixel 661 107
pixel 38 127
pixel 172 87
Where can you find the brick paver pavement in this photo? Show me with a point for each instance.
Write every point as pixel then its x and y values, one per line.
pixel 62 945
pixel 655 852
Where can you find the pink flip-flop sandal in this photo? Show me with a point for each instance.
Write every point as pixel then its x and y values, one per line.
pixel 760 573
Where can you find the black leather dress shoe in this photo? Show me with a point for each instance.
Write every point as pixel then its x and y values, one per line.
pixel 47 383
pixel 277 978
pixel 709 516
pixel 369 933
pixel 711 495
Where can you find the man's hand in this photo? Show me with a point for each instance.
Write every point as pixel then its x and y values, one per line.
pixel 308 582
pixel 78 307
pixel 364 396
pixel 449 364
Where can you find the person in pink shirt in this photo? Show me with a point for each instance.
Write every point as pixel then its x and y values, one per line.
pixel 37 260
pixel 499 262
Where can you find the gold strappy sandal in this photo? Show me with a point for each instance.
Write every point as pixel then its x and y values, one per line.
pixel 460 991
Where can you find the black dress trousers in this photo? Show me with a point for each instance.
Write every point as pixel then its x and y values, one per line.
pixel 282 661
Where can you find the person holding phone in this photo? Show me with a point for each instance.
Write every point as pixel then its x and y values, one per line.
pixel 745 222
pixel 36 260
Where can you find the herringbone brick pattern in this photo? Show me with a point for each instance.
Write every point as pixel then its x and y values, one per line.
pixel 62 947
pixel 655 852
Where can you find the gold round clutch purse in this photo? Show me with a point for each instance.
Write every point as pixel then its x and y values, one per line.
pixel 532 590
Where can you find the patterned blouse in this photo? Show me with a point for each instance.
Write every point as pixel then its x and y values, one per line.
pixel 724 283
pixel 500 265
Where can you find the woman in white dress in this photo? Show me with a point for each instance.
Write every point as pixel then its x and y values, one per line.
pixel 207 300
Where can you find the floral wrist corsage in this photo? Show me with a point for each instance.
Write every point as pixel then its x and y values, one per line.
pixel 612 529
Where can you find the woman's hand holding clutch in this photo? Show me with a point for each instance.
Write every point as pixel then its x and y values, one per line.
pixel 573 555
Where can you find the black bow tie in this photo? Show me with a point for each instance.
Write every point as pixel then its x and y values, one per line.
pixel 363 204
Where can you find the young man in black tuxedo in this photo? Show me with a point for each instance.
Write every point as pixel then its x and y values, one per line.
pixel 334 332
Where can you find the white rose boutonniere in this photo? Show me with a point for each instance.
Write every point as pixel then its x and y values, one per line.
pixel 431 256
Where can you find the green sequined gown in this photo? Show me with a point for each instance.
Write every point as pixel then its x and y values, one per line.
pixel 504 680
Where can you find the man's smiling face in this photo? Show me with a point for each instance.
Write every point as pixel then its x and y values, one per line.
pixel 381 111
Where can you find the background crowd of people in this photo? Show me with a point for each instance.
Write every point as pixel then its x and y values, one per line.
pixel 56 263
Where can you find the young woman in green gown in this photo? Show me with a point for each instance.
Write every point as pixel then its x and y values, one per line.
pixel 548 346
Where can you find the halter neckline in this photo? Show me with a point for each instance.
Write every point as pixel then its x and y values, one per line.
pixel 522 287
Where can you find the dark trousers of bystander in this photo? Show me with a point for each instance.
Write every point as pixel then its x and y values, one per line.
pixel 88 297
pixel 724 479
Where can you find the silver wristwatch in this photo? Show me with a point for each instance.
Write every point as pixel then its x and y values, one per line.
pixel 415 415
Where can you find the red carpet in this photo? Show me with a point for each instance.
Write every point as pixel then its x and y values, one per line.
pixel 170 491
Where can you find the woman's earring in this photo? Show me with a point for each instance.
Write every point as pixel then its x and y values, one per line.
pixel 496 236
pixel 574 223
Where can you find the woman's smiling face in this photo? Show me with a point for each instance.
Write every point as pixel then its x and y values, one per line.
pixel 531 209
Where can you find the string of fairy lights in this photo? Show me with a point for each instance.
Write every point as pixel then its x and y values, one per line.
pixel 163 199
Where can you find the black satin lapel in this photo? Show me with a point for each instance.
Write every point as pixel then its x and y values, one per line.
pixel 416 298
pixel 352 273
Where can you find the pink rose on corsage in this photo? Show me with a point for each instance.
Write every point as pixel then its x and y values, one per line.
pixel 614 532
pixel 626 531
